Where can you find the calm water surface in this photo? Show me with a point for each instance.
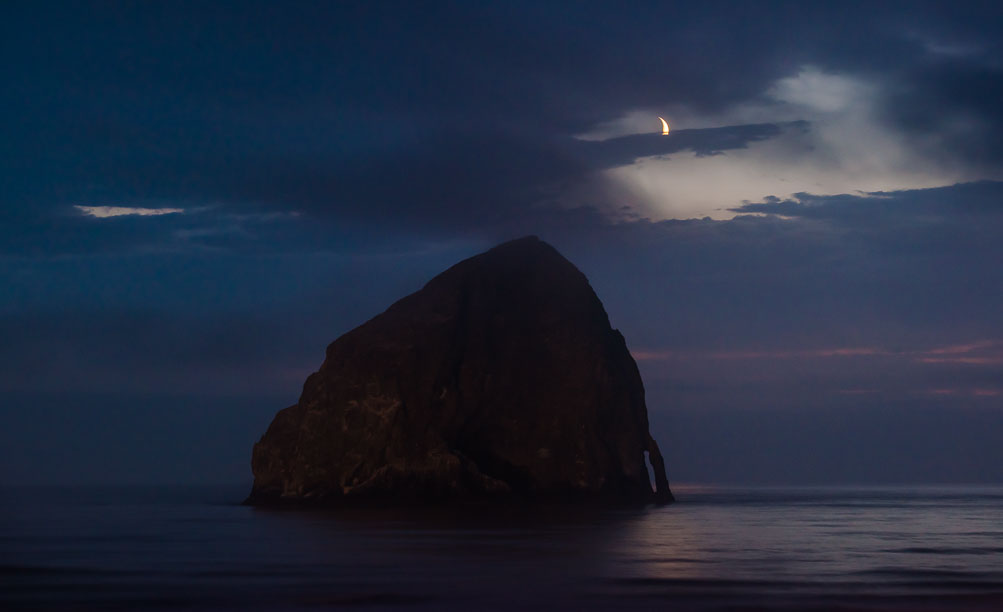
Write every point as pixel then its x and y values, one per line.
pixel 716 549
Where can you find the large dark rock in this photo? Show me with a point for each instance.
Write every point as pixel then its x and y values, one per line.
pixel 501 378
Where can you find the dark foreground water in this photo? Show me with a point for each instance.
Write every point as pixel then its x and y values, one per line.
pixel 716 549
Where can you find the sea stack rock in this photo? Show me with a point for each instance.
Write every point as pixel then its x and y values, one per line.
pixel 501 378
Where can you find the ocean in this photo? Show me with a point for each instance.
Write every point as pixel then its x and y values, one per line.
pixel 197 548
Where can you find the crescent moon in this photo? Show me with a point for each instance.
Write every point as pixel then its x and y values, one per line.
pixel 665 127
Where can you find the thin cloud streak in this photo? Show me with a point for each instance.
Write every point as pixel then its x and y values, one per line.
pixel 978 392
pixel 103 212
pixel 982 352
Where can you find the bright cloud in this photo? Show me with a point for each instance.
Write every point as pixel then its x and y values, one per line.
pixel 103 212
pixel 847 148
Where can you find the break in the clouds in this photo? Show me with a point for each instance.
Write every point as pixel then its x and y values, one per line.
pixel 842 143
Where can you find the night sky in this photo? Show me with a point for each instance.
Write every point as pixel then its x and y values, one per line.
pixel 199 197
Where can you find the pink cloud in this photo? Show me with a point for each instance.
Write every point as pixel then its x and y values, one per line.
pixel 942 391
pixel 651 355
pixel 955 349
pixel 989 360
pixel 981 352
pixel 970 392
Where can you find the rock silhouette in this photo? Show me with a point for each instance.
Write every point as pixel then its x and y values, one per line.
pixel 501 378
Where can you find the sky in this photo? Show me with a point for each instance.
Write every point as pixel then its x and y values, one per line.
pixel 198 197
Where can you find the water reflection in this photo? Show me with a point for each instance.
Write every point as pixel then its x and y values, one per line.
pixel 465 552
pixel 714 549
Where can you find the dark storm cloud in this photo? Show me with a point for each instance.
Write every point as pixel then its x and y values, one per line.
pixel 441 117
pixel 197 84
pixel 461 181
pixel 465 181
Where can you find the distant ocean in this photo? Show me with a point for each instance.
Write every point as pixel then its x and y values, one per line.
pixel 716 549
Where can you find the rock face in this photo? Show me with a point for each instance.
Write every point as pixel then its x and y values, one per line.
pixel 500 378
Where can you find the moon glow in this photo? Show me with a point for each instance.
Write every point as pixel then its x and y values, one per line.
pixel 665 126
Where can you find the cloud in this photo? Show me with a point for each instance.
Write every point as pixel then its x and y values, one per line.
pixel 901 279
pixel 473 139
pixel 106 230
pixel 492 184
pixel 475 133
pixel 953 205
pixel 842 143
pixel 981 352
pixel 102 212
pixel 702 142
